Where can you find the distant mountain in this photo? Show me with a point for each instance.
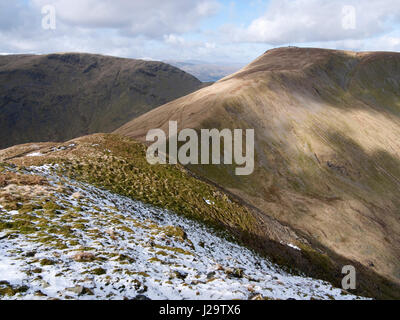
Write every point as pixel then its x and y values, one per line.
pixel 205 71
pixel 327 129
pixel 57 97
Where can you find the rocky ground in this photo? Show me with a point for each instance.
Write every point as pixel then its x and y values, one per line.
pixel 64 239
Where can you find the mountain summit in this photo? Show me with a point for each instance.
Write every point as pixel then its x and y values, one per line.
pixel 327 127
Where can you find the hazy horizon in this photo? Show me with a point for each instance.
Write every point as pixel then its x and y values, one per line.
pixel 213 31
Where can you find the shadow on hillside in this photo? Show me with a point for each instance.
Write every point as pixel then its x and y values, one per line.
pixel 327 266
pixel 379 171
pixel 347 92
pixel 354 172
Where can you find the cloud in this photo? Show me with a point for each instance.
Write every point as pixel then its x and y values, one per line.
pixel 128 28
pixel 197 29
pixel 174 39
pixel 302 21
pixel 150 18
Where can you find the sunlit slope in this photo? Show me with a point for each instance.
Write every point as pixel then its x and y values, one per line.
pixel 327 127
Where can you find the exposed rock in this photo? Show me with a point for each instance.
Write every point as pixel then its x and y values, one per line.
pixel 81 290
pixel 44 284
pixel 237 272
pixel 113 235
pixel 142 290
pixel 5 234
pixel 219 267
pixel 77 290
pixel 40 294
pixel 76 196
pixel 180 275
pixel 257 297
pixel 84 257
pixel 87 291
pixel 30 254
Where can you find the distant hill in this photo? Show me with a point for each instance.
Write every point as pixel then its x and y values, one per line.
pixel 207 72
pixel 327 128
pixel 57 97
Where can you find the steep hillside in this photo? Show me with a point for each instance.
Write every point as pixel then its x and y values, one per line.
pixel 58 97
pixel 91 219
pixel 327 132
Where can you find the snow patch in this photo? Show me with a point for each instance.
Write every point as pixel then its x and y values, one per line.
pixel 293 246
pixel 35 154
pixel 136 254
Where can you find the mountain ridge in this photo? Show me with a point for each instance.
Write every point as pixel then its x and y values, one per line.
pixel 57 97
pixel 327 126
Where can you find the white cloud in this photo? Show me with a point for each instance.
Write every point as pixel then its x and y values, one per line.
pixel 176 29
pixel 127 28
pixel 151 18
pixel 302 21
pixel 174 39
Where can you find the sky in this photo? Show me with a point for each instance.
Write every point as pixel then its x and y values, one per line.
pixel 223 31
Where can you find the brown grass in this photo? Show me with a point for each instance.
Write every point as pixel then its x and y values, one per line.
pixel 7 178
pixel 327 129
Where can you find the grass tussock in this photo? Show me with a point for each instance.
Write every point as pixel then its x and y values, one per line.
pixel 7 178
pixel 126 171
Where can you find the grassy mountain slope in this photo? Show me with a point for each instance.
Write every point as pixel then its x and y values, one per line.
pixel 62 238
pixel 327 147
pixel 118 164
pixel 58 97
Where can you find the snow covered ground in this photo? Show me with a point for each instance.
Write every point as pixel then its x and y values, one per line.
pixel 97 245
